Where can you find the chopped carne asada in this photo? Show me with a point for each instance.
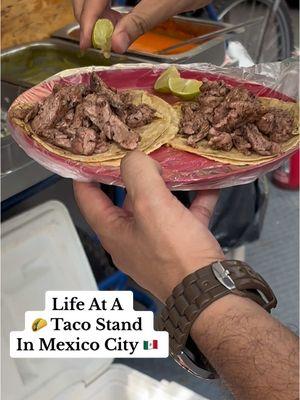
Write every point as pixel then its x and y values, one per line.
pixel 86 119
pixel 233 117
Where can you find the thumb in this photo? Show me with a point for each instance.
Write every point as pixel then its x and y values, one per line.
pixel 144 16
pixel 203 205
pixel 129 28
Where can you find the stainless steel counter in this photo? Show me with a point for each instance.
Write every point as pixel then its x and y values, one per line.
pixel 18 171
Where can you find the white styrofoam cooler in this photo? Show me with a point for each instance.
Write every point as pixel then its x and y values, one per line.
pixel 41 251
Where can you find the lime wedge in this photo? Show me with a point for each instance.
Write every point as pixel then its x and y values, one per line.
pixel 187 89
pixel 101 37
pixel 162 83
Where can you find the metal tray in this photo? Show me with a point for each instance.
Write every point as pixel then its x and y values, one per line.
pixel 18 171
pixel 23 67
pixel 212 51
pixel 28 65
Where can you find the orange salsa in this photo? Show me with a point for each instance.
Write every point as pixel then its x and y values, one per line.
pixel 153 42
pixel 169 33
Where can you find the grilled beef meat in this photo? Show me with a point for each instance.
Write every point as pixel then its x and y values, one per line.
pixel 52 110
pixel 234 117
pixel 56 137
pixel 97 109
pixel 25 113
pixel 111 95
pixel 240 106
pixel 132 115
pixel 211 96
pixel 193 124
pixel 219 140
pixel 240 142
pixel 84 142
pixel 116 130
pixel 277 124
pixel 85 120
pixel 259 143
pixel 138 115
pixel 56 106
pixel 102 144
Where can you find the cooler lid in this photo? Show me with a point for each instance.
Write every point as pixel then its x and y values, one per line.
pixel 41 251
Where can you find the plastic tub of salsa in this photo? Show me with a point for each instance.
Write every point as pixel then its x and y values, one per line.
pixel 166 34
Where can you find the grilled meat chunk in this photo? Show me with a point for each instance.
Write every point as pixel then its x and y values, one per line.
pixel 212 94
pixel 97 109
pixel 57 105
pixel 138 115
pixel 214 88
pixel 71 93
pixel 277 124
pixel 259 143
pixel 240 142
pixel 194 139
pixel 84 141
pixel 193 123
pixel 116 130
pixel 57 138
pixel 219 140
pixel 65 123
pixel 240 106
pixel 111 95
pixel 102 144
pixel 52 110
pixel 25 112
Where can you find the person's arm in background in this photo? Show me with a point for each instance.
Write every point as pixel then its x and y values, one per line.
pixel 157 241
pixel 144 16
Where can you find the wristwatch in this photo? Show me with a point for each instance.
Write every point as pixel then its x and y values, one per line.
pixel 196 292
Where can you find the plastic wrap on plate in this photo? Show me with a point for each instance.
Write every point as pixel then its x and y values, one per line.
pixel 181 170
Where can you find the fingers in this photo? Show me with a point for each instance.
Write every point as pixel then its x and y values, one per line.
pixel 203 205
pixel 91 11
pixel 77 8
pixel 98 210
pixel 146 15
pixel 142 179
pixel 127 205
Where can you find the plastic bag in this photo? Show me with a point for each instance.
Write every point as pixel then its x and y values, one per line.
pixel 249 202
pixel 181 170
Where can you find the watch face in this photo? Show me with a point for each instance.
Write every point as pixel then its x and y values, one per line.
pixel 187 361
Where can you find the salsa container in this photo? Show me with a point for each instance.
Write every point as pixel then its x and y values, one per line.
pixel 212 50
pixel 29 64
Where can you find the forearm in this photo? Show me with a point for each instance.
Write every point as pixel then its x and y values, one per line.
pixel 255 355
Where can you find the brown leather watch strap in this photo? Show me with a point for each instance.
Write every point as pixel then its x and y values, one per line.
pixel 201 288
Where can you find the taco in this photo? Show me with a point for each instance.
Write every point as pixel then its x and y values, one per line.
pixel 234 126
pixel 95 124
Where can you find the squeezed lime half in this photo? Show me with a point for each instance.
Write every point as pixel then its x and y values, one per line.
pixel 102 34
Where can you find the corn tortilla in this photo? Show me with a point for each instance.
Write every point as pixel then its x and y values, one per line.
pixel 234 156
pixel 152 136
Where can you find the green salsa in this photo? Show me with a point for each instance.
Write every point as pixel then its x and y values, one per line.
pixel 34 64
